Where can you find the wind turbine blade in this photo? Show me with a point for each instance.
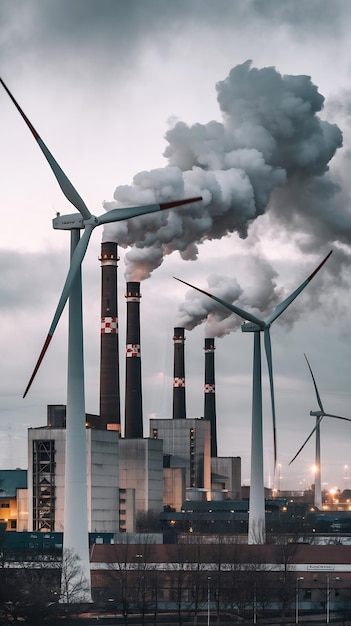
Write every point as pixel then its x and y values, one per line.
pixel 67 188
pixel 38 363
pixel 76 262
pixel 235 309
pixel 116 215
pixel 268 348
pixel 308 438
pixel 338 417
pixel 315 387
pixel 284 305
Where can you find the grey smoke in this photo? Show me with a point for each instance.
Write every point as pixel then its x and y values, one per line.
pixel 271 151
pixel 260 296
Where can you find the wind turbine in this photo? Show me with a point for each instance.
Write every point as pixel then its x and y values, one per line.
pixel 75 510
pixel 254 324
pixel 319 416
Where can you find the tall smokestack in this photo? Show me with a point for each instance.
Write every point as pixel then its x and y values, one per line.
pixel 133 402
pixel 179 411
pixel 209 393
pixel 110 413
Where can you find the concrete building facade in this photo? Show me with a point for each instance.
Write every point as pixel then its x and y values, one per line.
pixel 226 477
pixel 186 443
pixel 141 469
pixel 46 472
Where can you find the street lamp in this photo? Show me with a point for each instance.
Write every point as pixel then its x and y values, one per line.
pixel 297 599
pixel 208 600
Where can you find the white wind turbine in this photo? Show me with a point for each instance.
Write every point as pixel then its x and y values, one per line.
pixel 75 511
pixel 257 531
pixel 319 416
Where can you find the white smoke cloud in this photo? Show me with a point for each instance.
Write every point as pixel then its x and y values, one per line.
pixel 260 297
pixel 272 138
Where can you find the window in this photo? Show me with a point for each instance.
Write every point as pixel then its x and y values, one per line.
pixel 5 505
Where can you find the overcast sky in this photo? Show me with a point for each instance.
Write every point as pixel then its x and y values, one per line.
pixel 247 103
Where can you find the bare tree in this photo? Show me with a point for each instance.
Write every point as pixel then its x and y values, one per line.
pixel 180 580
pixel 287 576
pixel 29 591
pixel 132 580
pixel 42 589
pixel 74 586
pixel 120 586
pixel 144 580
pixel 199 579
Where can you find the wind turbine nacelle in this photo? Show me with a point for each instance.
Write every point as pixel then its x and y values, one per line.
pixel 250 327
pixel 316 413
pixel 68 222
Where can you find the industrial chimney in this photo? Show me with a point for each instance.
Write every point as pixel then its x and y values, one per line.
pixel 110 416
pixel 179 411
pixel 209 393
pixel 133 401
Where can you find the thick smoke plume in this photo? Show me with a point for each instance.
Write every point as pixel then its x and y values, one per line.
pixel 272 139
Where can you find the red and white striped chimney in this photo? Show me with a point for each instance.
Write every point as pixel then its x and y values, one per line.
pixel 133 427
pixel 179 410
pixel 209 393
pixel 110 416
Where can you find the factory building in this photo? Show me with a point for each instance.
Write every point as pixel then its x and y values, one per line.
pixel 140 470
pixel 186 441
pixel 46 468
pixel 226 478
pixel 131 475
pixel 192 470
pixel 186 444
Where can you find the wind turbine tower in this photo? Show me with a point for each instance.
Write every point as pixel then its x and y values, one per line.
pixel 319 415
pixel 255 325
pixel 75 515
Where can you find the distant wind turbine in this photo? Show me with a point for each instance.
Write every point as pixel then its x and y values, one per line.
pixel 75 512
pixel 319 416
pixel 257 532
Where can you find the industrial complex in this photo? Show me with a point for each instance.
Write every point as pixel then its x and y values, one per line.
pixel 165 497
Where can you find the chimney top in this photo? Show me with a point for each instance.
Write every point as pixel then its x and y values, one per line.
pixel 179 333
pixel 209 344
pixel 133 290
pixel 108 251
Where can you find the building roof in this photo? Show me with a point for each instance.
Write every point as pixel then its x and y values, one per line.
pixel 231 553
pixel 10 481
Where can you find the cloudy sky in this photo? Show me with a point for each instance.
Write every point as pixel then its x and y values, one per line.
pixel 247 103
